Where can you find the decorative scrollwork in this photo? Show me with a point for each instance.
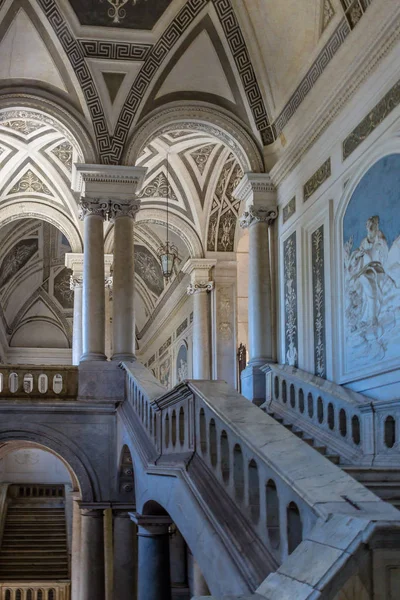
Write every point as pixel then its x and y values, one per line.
pixel 75 281
pixel 258 215
pixel 200 286
pixel 121 209
pixel 93 207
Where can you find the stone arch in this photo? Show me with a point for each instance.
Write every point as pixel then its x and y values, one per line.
pixel 32 209
pixel 55 112
pixel 176 224
pixel 197 116
pixel 72 456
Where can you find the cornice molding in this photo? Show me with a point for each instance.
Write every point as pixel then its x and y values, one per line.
pixel 378 49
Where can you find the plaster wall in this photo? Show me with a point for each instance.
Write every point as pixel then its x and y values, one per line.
pixel 30 465
pixel 327 182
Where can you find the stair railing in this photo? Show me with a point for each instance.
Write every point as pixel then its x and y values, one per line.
pixel 285 490
pixel 362 431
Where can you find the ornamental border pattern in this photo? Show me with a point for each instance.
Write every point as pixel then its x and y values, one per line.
pixel 290 299
pixel 316 180
pixel 109 50
pixel 374 118
pixel 313 74
pixel 318 293
pixel 289 209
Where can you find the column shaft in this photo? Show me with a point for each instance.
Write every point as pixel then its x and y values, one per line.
pixel 77 325
pixel 154 572
pixel 125 558
pixel 198 585
pixel 260 318
pixel 92 556
pixel 123 288
pixel 93 289
pixel 76 551
pixel 201 336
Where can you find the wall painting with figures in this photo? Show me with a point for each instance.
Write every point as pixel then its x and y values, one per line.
pixel 371 269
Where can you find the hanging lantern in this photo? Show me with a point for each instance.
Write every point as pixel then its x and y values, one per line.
pixel 168 253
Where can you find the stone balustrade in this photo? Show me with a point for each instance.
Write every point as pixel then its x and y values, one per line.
pixel 292 498
pixel 38 382
pixel 362 431
pixel 34 591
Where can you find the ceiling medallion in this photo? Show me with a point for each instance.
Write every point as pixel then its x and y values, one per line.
pixel 117 11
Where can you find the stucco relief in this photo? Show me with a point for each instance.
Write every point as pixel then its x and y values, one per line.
pixel 372 266
pixel 290 282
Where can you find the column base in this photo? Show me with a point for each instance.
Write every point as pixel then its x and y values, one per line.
pixel 253 382
pixel 124 357
pixel 92 356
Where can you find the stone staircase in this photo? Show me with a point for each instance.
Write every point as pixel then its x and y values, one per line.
pixel 382 481
pixel 34 543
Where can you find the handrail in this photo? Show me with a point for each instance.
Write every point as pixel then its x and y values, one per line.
pixel 286 490
pixel 362 431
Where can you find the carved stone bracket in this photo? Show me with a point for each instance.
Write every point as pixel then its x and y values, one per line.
pixel 258 215
pixel 75 281
pixel 199 287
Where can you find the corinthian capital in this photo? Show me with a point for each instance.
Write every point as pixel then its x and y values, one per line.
pixel 93 206
pixel 75 281
pixel 124 209
pixel 200 286
pixel 258 215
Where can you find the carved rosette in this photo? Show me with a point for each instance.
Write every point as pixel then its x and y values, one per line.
pixel 123 209
pixel 89 207
pixel 75 281
pixel 199 287
pixel 258 215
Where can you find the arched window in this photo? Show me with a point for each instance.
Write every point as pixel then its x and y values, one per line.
pixel 355 430
pixel 181 426
pixel 238 473
pixel 343 422
pixel 284 393
pixel 310 405
pixel 276 387
pixel 173 428
pixel 213 443
pixel 166 425
pixel 331 416
pixel 225 467
pixel 254 491
pixel 203 434
pixel 294 527
pixel 390 432
pixel 292 396
pixel 320 410
pixel 272 507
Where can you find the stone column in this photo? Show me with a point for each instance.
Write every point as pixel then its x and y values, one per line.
pixel 199 287
pixel 108 280
pixel 102 188
pixel 125 556
pixel 93 214
pixel 76 548
pixel 154 582
pixel 123 215
pixel 178 567
pixel 259 196
pixel 75 263
pixel 92 554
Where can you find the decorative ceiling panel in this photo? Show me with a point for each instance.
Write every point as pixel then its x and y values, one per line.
pixel 134 14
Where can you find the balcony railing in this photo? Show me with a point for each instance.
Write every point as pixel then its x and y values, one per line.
pixel 35 591
pixel 362 431
pixel 38 382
